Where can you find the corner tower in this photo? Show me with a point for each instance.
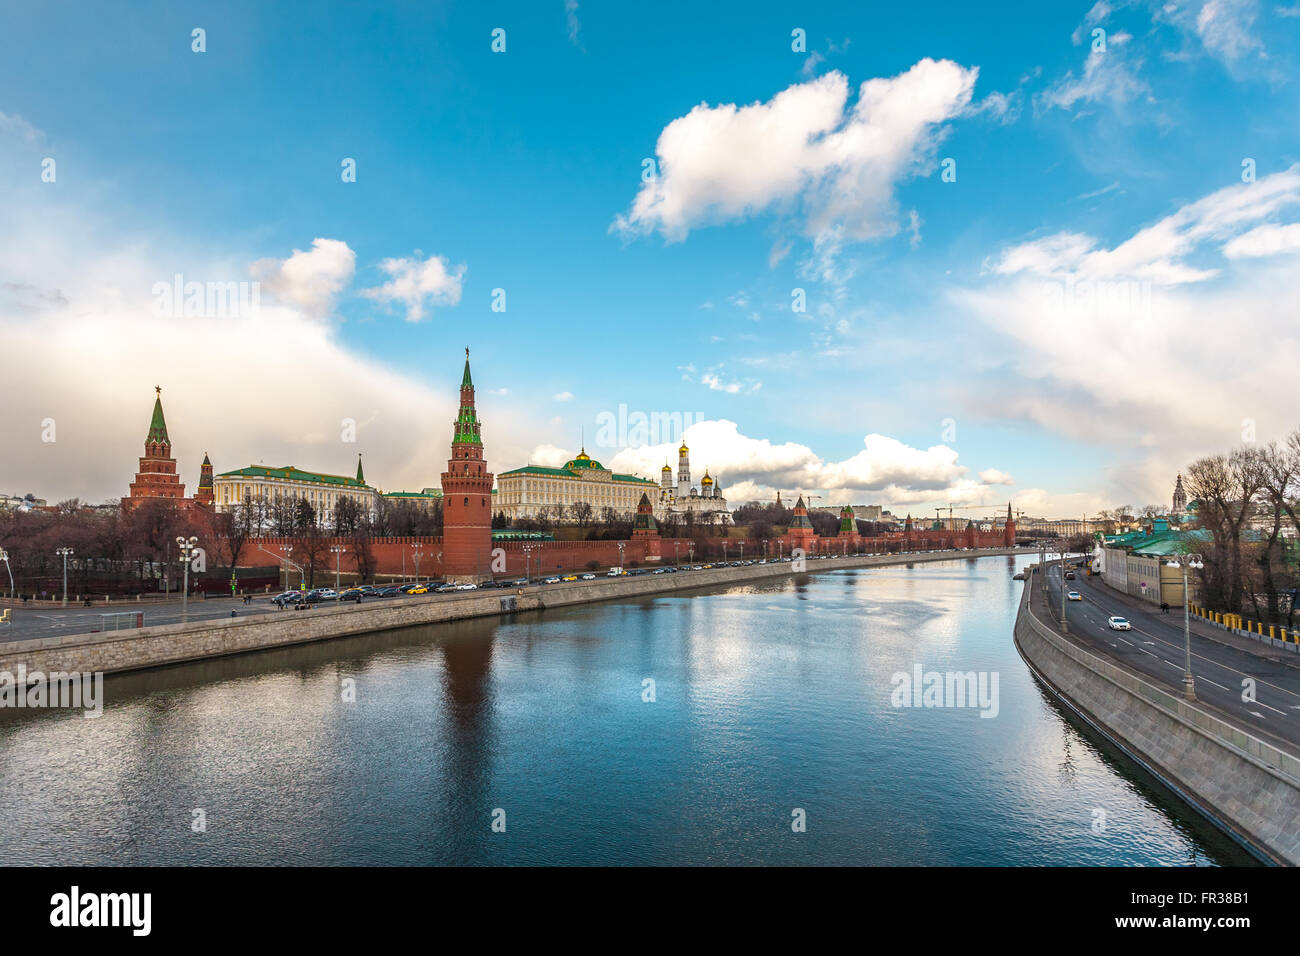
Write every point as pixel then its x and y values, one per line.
pixel 466 496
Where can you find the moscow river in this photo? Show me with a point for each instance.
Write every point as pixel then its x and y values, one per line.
pixel 749 725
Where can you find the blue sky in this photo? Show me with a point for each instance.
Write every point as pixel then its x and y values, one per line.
pixel 522 170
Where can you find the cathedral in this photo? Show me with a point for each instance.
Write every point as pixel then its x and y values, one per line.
pixel 706 502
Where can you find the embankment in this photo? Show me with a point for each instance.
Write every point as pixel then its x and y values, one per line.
pixel 1247 787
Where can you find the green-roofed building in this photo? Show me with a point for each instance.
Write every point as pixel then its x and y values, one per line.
pixel 534 490
pixel 288 482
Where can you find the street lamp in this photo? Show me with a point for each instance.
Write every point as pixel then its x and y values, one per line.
pixel 417 554
pixel 1195 562
pixel 765 549
pixel 64 553
pixel 337 550
pixel 620 555
pixel 1065 625
pixel 4 556
pixel 690 552
pixel 528 563
pixel 677 553
pixel 187 546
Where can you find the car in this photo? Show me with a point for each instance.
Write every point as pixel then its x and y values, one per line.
pixel 551 581
pixel 369 590
pixel 352 594
pixel 388 592
pixel 589 577
pixel 1116 623
pixel 444 588
pixel 408 588
pixel 418 589
pixel 1074 595
pixel 569 577
pixel 288 597
pixel 1069 575
pixel 467 587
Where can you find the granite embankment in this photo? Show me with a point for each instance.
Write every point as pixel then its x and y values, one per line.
pixel 1244 785
pixel 174 643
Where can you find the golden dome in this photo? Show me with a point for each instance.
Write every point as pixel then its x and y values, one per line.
pixel 683 450
pixel 666 470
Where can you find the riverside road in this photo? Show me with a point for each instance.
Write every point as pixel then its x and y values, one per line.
pixel 1155 647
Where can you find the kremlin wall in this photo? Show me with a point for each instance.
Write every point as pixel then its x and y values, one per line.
pixel 467 552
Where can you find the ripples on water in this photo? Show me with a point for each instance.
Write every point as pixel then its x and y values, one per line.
pixel 768 698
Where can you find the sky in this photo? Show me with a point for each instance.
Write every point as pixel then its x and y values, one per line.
pixel 911 255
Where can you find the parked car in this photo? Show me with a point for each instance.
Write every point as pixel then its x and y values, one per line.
pixel 1118 623
pixel 388 592
pixel 569 577
pixel 589 577
pixel 418 589
pixel 352 594
pixel 286 597
pixel 1074 595
pixel 551 581
pixel 467 587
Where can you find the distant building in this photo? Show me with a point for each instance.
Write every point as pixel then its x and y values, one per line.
pixel 525 492
pixel 27 502
pixel 705 502
pixel 426 498
pixel 323 492
pixel 157 478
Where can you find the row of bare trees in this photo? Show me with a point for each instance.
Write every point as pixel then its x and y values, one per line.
pixel 1248 503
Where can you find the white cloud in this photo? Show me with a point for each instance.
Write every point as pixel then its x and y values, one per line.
pixel 571 21
pixel 1157 253
pixel 992 476
pixel 805 151
pixel 885 470
pixel 1261 241
pixel 1108 77
pixel 309 281
pixel 1224 26
pixel 419 284
pixel 1161 370
pixel 562 396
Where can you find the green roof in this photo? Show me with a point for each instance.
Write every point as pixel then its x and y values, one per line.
pixel 290 473
pixel 157 426
pixel 426 493
pixel 566 473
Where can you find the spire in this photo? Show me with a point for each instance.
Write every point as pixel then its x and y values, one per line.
pixel 361 478
pixel 465 380
pixel 1008 511
pixel 158 425
pixel 466 424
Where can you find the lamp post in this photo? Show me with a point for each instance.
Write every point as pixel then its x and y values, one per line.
pixel 1065 625
pixel 528 563
pixel 742 550
pixel 64 553
pixel 690 552
pixel 765 549
pixel 417 554
pixel 337 550
pixel 1195 562
pixel 677 553
pixel 187 546
pixel 620 555
pixel 4 556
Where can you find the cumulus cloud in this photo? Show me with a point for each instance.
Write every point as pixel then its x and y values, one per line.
pixel 805 151
pixel 562 396
pixel 309 281
pixel 419 284
pixel 1262 241
pixel 885 470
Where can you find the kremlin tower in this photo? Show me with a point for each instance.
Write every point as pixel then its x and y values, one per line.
pixel 466 496
pixel 157 476
pixel 204 495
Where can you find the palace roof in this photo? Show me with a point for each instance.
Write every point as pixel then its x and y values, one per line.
pixel 290 473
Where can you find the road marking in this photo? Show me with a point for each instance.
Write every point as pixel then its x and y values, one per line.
pixel 1208 681
pixel 1257 714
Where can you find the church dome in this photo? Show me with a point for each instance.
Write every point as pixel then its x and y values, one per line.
pixel 583 461
pixel 706 480
pixel 666 470
pixel 683 450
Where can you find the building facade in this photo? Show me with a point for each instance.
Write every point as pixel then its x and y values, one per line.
pixel 273 486
pixel 530 491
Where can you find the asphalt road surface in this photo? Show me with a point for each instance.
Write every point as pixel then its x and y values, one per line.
pixel 1155 647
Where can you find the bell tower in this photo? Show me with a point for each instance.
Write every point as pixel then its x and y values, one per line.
pixel 466 496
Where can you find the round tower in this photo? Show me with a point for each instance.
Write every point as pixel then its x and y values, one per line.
pixel 466 496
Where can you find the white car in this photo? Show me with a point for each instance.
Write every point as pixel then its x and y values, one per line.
pixel 1074 595
pixel 551 581
pixel 589 577
pixel 467 587
pixel 1118 623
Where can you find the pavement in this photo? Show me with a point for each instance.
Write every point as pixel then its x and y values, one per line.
pixel 1155 648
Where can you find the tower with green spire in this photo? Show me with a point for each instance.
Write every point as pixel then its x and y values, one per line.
pixel 204 495
pixel 157 476
pixel 466 495
pixel 361 477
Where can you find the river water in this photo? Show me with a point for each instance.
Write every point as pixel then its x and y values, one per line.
pixel 771 738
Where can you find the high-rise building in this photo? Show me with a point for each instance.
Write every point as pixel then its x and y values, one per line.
pixel 466 495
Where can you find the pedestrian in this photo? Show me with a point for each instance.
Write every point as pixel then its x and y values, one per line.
pixel 1164 607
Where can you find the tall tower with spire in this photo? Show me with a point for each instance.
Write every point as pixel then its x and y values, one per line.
pixel 157 476
pixel 466 495
pixel 1009 529
pixel 683 472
